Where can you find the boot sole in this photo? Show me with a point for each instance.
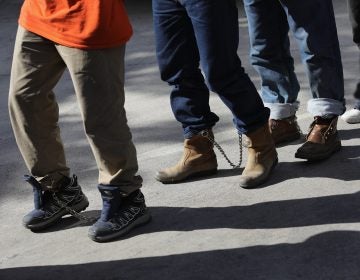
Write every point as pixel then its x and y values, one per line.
pixel 257 183
pixel 53 220
pixel 318 157
pixel 144 219
pixel 190 176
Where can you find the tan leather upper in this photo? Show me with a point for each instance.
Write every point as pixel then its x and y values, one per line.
pixel 262 157
pixel 321 130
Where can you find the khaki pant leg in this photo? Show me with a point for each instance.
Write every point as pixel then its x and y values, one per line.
pixel 98 77
pixel 34 113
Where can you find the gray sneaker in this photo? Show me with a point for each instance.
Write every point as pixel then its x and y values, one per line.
pixel 51 206
pixel 119 214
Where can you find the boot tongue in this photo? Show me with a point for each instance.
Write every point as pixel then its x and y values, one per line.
pixel 37 189
pixel 111 197
pixel 320 125
pixel 322 121
pixel 316 135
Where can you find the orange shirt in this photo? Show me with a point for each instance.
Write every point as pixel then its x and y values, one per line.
pixel 84 24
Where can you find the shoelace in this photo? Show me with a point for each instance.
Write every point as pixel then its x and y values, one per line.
pixel 71 211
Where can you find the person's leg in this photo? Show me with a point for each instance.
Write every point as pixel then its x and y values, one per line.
pixel 270 56
pixel 217 35
pixel 178 60
pixel 34 112
pixel 98 77
pixel 36 69
pixel 353 115
pixel 313 25
pixel 354 13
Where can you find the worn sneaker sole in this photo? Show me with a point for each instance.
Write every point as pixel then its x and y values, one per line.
pixel 144 219
pixel 261 180
pixel 318 157
pixel 81 206
pixel 190 176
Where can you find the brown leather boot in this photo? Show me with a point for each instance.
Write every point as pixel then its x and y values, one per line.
pixel 262 158
pixel 198 159
pixel 284 130
pixel 322 140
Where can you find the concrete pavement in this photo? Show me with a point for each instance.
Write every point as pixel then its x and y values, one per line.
pixel 303 224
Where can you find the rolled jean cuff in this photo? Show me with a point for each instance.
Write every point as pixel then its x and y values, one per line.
pixel 282 110
pixel 191 132
pixel 325 107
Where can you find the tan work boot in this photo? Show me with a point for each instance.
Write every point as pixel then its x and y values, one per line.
pixel 284 130
pixel 322 140
pixel 262 158
pixel 198 159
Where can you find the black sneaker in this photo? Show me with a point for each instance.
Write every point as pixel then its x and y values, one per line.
pixel 119 214
pixel 51 206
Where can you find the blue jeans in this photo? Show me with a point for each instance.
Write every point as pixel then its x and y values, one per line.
pixel 357 96
pixel 354 13
pixel 192 31
pixel 312 22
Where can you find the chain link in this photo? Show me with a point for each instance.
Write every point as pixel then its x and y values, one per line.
pixel 72 212
pixel 205 133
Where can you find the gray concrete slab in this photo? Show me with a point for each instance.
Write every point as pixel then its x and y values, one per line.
pixel 304 224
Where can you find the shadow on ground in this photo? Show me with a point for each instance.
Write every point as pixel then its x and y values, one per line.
pixel 344 166
pixel 335 209
pixel 329 255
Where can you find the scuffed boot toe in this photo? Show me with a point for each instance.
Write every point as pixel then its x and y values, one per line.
pixel 322 140
pixel 255 179
pixel 316 152
pixel 262 158
pixel 168 177
pixel 33 218
pixel 198 159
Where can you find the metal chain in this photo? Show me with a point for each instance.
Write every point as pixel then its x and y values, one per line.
pixel 71 211
pixel 205 133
